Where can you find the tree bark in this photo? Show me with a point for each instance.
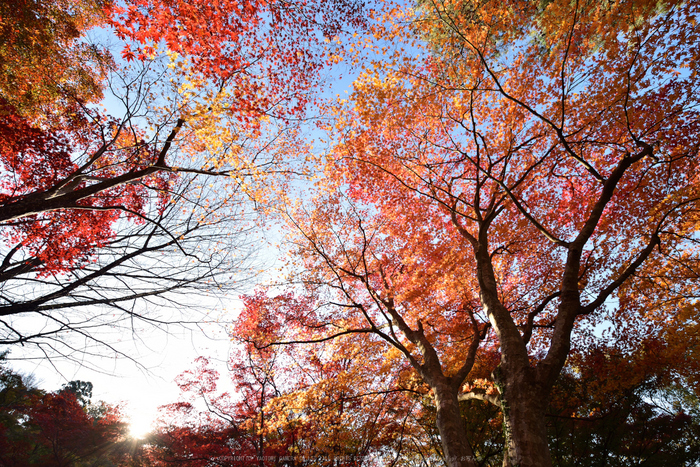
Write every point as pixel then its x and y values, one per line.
pixel 522 393
pixel 456 448
pixel 523 406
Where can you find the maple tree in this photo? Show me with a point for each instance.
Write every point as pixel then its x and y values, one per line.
pixel 78 185
pixel 516 173
pixel 267 54
pixel 169 263
pixel 341 246
pixel 43 59
pixel 297 408
pixel 335 402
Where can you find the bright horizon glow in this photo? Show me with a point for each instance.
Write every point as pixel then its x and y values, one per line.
pixel 138 393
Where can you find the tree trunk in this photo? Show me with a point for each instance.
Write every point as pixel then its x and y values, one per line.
pixel 523 401
pixel 457 451
pixel 523 406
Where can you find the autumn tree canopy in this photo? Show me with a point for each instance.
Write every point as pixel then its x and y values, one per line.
pixel 513 176
pixel 91 197
pixel 283 406
pixel 507 209
pixel 44 60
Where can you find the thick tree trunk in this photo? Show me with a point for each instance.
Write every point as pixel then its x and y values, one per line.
pixel 457 451
pixel 523 400
pixel 523 406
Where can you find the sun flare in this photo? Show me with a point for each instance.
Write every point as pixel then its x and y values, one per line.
pixel 140 427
